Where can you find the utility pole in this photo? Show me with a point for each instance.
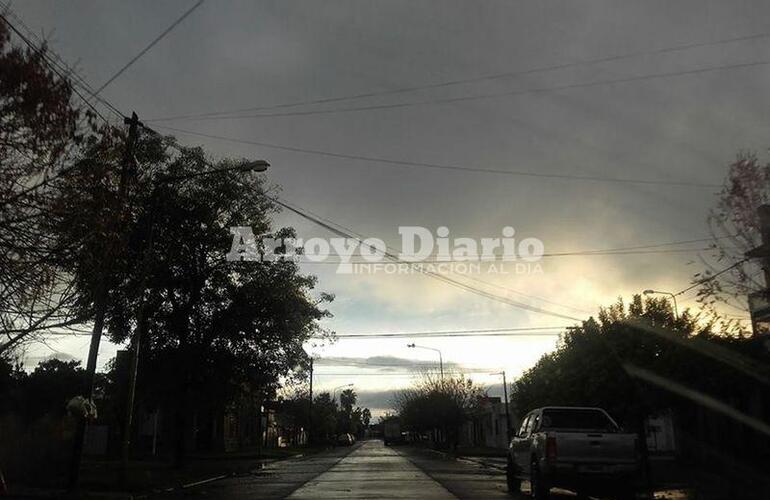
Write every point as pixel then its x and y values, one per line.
pixel 141 325
pixel 507 411
pixel 141 321
pixel 759 302
pixel 100 296
pixel 310 406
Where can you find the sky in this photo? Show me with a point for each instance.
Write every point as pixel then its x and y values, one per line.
pixel 667 118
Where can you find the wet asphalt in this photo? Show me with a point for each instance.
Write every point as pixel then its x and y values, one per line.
pixel 366 470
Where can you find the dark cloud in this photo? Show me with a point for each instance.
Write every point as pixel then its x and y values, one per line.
pixel 238 54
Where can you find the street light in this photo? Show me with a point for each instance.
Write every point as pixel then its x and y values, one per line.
pixel 334 392
pixel 672 295
pixel 507 412
pixel 251 166
pixel 256 166
pixel 440 357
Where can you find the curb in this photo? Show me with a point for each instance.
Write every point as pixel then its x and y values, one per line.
pixel 450 456
pixel 482 462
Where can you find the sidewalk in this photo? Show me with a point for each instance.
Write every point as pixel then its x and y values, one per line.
pixel 102 479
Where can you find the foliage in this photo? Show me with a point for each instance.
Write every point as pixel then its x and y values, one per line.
pixel 350 418
pixel 40 127
pixel 436 403
pixel 735 227
pixel 43 392
pixel 329 419
pixel 324 427
pixel 587 369
pixel 214 329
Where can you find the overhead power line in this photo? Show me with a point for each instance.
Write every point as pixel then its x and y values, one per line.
pixel 440 277
pixel 344 232
pixel 450 335
pixel 500 260
pixel 455 82
pixel 401 374
pixel 149 46
pixel 712 277
pixel 64 69
pixel 492 95
pixel 481 330
pixel 50 63
pixel 523 331
pixel 440 166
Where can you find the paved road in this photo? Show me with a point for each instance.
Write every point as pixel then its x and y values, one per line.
pixel 368 470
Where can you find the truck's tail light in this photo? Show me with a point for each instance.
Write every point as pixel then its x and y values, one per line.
pixel 550 449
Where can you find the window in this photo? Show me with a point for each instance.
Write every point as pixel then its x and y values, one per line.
pixel 523 428
pixel 535 423
pixel 579 419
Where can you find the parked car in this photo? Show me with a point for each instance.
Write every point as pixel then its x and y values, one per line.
pixel 346 440
pixel 580 449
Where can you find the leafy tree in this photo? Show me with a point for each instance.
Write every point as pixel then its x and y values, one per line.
pixel 587 368
pixel 593 366
pixel 214 329
pixel 324 419
pixel 350 417
pixel 48 388
pixel 348 399
pixel 433 403
pixel 735 227
pixel 40 127
pixel 12 376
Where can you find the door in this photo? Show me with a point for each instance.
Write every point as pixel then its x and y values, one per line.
pixel 520 445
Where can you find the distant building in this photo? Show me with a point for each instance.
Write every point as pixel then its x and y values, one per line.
pixel 487 427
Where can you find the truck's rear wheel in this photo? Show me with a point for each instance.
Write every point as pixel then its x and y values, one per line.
pixel 540 490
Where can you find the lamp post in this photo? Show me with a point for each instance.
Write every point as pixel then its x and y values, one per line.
pixel 672 295
pixel 334 392
pixel 101 293
pixel 507 411
pixel 252 166
pixel 440 357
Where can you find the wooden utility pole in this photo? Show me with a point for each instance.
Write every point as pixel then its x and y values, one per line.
pixel 507 411
pixel 100 295
pixel 759 302
pixel 310 407
pixel 136 343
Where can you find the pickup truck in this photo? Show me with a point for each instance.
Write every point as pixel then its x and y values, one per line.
pixel 576 448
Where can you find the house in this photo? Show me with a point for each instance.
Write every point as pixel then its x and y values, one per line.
pixel 488 425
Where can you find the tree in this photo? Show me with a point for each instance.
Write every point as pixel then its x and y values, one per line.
pixel 215 329
pixel 588 367
pixel 48 388
pixel 40 128
pixel 324 419
pixel 735 229
pixel 599 364
pixel 350 418
pixel 433 403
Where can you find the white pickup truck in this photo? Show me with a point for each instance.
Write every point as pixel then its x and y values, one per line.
pixel 580 449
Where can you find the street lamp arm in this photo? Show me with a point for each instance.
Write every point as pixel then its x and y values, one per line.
pixel 440 357
pixel 650 291
pixel 252 166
